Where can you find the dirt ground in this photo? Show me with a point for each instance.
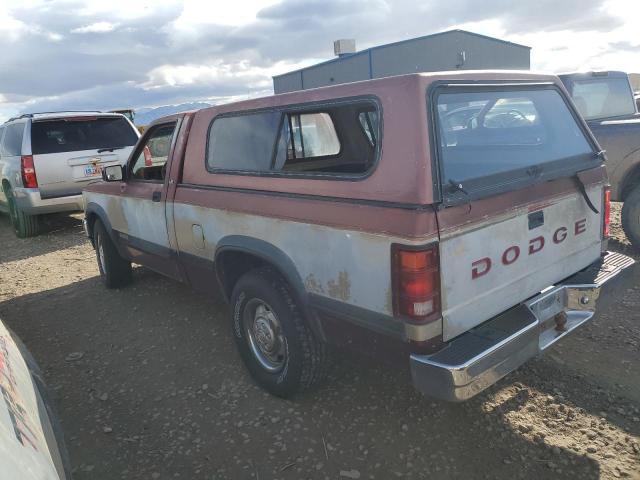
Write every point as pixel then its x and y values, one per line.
pixel 159 391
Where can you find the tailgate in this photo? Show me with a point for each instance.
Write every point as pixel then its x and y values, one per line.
pixel 67 173
pixel 488 267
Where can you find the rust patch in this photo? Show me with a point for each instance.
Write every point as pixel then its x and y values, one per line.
pixel 340 289
pixel 312 284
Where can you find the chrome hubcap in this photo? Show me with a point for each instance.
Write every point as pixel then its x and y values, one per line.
pixel 264 334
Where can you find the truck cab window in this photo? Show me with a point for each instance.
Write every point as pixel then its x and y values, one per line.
pixel 151 160
pixel 369 122
pixel 338 141
pixel 311 135
pixel 332 140
pixel 243 142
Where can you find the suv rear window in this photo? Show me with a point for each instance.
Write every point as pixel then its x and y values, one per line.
pixel 490 139
pixel 75 134
pixel 324 140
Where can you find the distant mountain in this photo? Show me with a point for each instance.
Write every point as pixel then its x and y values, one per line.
pixel 145 116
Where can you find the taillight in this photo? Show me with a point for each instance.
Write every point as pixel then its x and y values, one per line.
pixel 607 212
pixel 28 171
pixel 416 286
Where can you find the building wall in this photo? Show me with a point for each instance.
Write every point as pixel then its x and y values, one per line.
pixel 428 54
pixel 440 53
pixel 288 82
pixel 343 70
pixel 634 78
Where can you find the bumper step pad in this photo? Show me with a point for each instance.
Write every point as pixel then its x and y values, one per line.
pixel 598 273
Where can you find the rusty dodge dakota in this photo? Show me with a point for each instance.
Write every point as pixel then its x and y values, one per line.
pixel 458 219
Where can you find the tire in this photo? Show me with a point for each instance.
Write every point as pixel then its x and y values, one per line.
pixel 631 217
pixel 23 225
pixel 115 271
pixel 275 342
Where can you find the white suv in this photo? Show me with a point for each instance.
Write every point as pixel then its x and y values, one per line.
pixel 46 159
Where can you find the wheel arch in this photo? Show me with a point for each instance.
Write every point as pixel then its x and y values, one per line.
pixel 630 180
pixel 94 212
pixel 237 254
pixel 6 186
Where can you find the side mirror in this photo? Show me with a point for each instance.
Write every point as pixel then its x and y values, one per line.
pixel 113 173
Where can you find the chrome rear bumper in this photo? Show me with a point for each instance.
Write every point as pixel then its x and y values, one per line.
pixel 480 357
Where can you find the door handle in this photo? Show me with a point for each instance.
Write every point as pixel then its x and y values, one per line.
pixel 156 196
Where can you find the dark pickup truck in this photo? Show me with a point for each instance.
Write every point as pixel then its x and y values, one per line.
pixel 606 101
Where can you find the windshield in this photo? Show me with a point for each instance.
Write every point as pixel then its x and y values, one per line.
pixel 81 133
pixel 512 134
pixel 603 97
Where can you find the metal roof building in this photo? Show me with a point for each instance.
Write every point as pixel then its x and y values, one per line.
pixel 451 50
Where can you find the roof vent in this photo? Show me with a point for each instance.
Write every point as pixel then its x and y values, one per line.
pixel 345 46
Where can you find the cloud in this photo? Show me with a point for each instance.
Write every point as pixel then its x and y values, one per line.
pixel 10 28
pixel 625 46
pixel 96 54
pixel 98 27
pixel 127 95
pixel 531 16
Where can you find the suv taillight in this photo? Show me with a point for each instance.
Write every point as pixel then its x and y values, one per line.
pixel 28 171
pixel 607 212
pixel 416 287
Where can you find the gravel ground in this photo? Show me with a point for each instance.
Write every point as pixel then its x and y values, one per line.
pixel 149 386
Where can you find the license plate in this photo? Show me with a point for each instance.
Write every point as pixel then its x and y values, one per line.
pixel 92 170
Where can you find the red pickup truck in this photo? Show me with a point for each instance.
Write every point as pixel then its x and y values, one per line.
pixel 457 219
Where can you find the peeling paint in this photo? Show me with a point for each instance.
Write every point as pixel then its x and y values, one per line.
pixel 318 252
pixel 340 289
pixel 312 284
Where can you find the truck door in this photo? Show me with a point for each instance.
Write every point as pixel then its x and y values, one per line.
pixel 142 226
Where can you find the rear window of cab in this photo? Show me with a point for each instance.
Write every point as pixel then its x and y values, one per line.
pixel 338 139
pixel 495 139
pixel 603 97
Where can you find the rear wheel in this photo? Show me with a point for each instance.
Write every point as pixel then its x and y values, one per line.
pixel 24 225
pixel 275 342
pixel 631 216
pixel 115 271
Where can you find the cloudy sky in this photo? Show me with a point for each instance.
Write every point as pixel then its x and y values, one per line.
pixel 104 54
